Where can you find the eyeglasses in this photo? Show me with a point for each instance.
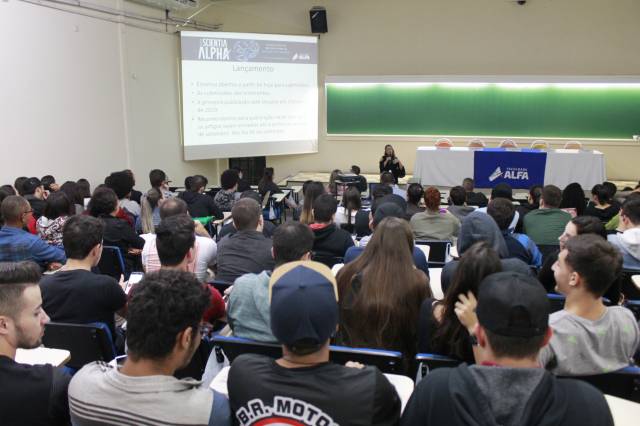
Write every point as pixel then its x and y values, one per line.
pixel 28 211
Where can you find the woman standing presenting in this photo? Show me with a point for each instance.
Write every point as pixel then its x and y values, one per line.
pixel 390 163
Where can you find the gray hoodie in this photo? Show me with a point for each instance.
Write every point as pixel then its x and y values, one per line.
pixel 629 245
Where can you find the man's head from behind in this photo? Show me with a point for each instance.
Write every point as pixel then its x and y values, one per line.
pixel 324 208
pixel 247 214
pixel 502 211
pixel 229 179
pixel 386 178
pixel 457 196
pixel 15 211
pixel 82 238
pixel 22 318
pixel 172 206
pixel 468 184
pixel 33 186
pixel 158 178
pixel 587 264
pixel 164 316
pixel 121 183
pixel 551 197
pixel 175 237
pixel 198 183
pixel 502 190
pixel 513 317
pixel 630 213
pixel 292 241
pixel 304 307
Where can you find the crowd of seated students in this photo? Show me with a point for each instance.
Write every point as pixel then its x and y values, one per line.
pixel 493 310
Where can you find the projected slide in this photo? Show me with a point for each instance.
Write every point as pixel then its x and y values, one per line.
pixel 248 94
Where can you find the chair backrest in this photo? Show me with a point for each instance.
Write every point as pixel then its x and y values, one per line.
pixel 540 144
pixel 438 251
pixel 112 262
pixel 386 361
pixel 265 199
pixel 573 145
pixel 476 143
pixel 623 383
pixel 556 302
pixel 508 143
pixel 427 362
pixel 444 143
pixel 86 342
pixel 326 259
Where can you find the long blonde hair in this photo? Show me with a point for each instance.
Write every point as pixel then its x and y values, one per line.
pixel 149 202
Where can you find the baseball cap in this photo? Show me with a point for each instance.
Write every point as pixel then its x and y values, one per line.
pixel 513 304
pixel 387 210
pixel 304 302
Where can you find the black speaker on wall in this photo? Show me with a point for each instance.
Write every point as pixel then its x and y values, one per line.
pixel 318 16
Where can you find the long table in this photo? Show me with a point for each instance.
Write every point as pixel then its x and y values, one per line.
pixel 449 166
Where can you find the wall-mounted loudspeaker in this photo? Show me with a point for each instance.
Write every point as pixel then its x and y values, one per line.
pixel 318 16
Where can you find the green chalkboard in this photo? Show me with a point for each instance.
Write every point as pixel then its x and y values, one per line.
pixel 491 110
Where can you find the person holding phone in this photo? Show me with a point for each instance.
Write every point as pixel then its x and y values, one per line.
pixel 390 163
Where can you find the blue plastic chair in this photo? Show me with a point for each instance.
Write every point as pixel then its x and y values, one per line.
pixel 112 262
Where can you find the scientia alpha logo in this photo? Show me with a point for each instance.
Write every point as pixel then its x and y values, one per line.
pixel 284 411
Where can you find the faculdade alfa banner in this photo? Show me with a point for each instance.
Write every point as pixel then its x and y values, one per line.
pixel 520 169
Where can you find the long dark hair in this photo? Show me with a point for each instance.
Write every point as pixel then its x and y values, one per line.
pixel 393 152
pixel 267 178
pixel 477 262
pixel 381 291
pixel 573 198
pixel 312 191
pixel 351 201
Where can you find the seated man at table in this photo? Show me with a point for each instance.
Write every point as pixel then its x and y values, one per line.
pixel 246 251
pixel 545 224
pixel 329 239
pixel 589 337
pixel 163 333
pixel 303 387
pixel 17 244
pixel 506 386
pixel 75 294
pixel 29 395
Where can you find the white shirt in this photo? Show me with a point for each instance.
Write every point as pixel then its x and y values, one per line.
pixel 206 250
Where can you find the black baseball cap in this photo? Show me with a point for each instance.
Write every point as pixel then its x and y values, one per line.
pixel 513 304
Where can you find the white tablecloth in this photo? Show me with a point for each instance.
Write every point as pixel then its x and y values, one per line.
pixel 448 167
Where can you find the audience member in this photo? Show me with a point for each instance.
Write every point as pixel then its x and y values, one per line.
pixel 601 205
pixel 204 251
pixel 519 246
pixel 392 164
pixel 225 198
pixel 332 187
pixel 75 195
pixel 56 212
pixel 312 191
pixel 175 244
pixel 135 195
pixel 34 193
pixel 84 188
pixel 74 294
pixel 49 184
pixel 248 311
pixel 457 202
pixel 503 190
pixel 547 223
pixel 507 385
pixel 30 394
pixel 150 211
pixel 330 241
pixel 243 184
pixel 532 203
pixel 17 184
pixel 386 178
pixel 268 227
pixel 475 227
pixel 122 185
pixel 415 192
pixel 158 179
pixel 362 181
pixel 628 242
pixel 17 244
pixel 373 286
pixel 163 333
pixel 246 251
pixel 439 329
pixel 303 386
pixel 117 232
pixel 267 184
pixel 476 199
pixel 613 190
pixel 347 213
pixel 200 204
pixel 573 199
pixel 577 226
pixel 434 223
pixel 386 207
pixel 589 337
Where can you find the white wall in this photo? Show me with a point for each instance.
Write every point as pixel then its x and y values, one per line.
pixel 82 97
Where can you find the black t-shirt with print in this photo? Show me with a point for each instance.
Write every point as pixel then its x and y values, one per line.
pixel 261 392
